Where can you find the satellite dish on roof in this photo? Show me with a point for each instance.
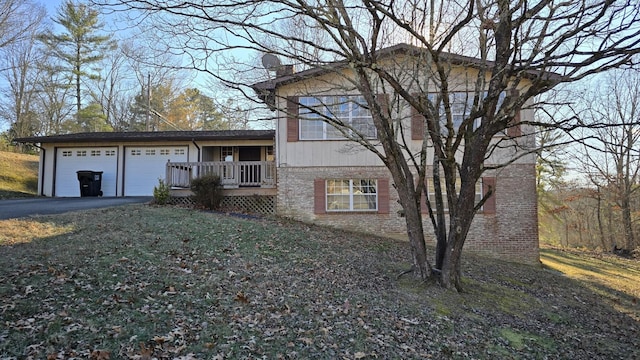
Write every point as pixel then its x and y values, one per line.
pixel 270 62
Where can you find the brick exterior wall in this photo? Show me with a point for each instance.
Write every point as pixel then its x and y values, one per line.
pixel 509 234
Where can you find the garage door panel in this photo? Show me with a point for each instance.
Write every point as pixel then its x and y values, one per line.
pixel 143 166
pixel 71 160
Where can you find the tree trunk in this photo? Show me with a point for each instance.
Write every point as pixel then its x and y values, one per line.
pixel 600 225
pixel 451 275
pixel 77 78
pixel 441 223
pixel 627 223
pixel 459 224
pixel 421 266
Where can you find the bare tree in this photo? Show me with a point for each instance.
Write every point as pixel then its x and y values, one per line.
pixel 20 60
pixel 520 50
pixel 611 156
pixel 54 92
pixel 19 22
pixel 114 88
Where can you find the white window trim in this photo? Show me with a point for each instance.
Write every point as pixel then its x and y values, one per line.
pixel 351 195
pixel 431 191
pixel 327 127
pixel 468 105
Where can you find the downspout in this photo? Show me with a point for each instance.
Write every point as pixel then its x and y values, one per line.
pixel 197 147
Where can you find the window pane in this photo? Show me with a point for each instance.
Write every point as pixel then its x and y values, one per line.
pixel 311 129
pixel 337 202
pixel 365 127
pixel 338 195
pixel 337 187
pixel 333 132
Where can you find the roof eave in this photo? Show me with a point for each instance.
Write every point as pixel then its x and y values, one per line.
pixel 148 137
pixel 265 88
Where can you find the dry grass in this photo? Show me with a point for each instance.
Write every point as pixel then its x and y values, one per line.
pixel 143 282
pixel 18 175
pixel 615 278
pixel 16 231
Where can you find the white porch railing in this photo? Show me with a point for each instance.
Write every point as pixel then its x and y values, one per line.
pixel 233 174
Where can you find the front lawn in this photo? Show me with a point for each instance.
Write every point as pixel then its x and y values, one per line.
pixel 143 282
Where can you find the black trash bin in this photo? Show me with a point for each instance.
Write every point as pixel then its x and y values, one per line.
pixel 90 182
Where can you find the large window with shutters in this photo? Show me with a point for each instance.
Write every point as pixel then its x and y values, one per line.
pixel 431 192
pixel 348 110
pixel 339 195
pixel 461 106
pixel 483 186
pixel 352 195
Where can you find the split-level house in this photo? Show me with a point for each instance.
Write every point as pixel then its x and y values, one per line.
pixel 307 170
pixel 324 178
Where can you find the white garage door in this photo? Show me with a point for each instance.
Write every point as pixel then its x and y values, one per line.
pixel 71 160
pixel 143 166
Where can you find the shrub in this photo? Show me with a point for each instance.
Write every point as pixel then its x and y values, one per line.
pixel 207 191
pixel 161 193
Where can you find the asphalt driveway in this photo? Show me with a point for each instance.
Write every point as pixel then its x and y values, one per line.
pixel 10 209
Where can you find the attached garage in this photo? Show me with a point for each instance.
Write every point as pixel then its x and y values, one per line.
pixel 143 166
pixel 132 162
pixel 73 159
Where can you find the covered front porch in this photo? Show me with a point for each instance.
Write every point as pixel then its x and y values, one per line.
pixel 240 166
pixel 233 174
pixel 247 172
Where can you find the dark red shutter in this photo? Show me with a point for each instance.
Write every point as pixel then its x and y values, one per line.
pixel 383 196
pixel 514 130
pixel 489 183
pixel 383 102
pixel 417 125
pixel 293 111
pixel 319 196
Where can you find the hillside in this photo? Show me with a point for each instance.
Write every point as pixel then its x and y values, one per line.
pixel 18 175
pixel 143 281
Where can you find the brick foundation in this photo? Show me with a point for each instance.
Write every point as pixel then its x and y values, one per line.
pixel 509 234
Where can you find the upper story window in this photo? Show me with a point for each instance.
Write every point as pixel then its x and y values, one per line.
pixel 350 110
pixel 461 104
